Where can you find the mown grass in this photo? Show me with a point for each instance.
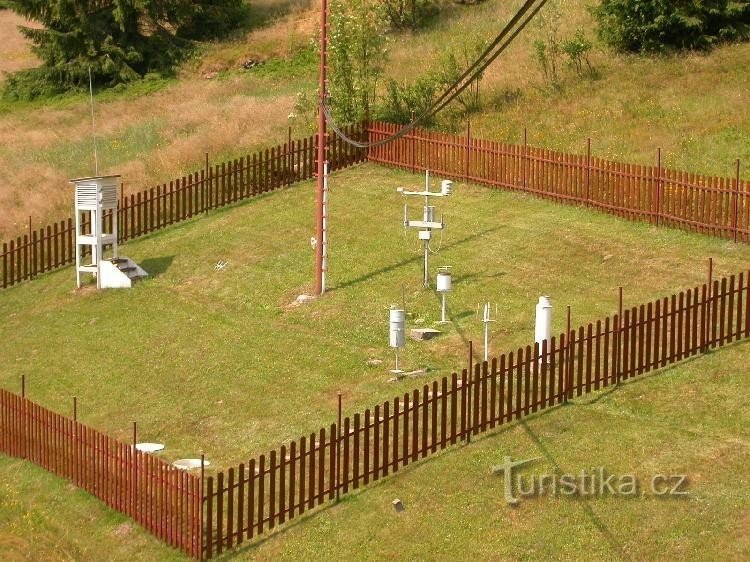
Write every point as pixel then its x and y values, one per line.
pixel 219 362
pixel 672 422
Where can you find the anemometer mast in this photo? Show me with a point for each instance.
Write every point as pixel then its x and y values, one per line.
pixel 428 222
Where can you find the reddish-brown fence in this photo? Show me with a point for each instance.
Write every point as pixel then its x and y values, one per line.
pixel 164 500
pixel 205 519
pixel 255 497
pixel 140 213
pixel 654 194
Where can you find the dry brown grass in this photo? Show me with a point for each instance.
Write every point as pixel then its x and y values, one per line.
pixel 15 53
pixel 193 116
pixel 695 108
pixel 294 25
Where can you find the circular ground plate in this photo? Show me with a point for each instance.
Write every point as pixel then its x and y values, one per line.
pixel 149 447
pixel 189 464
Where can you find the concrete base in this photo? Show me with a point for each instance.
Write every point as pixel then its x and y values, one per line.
pixel 423 334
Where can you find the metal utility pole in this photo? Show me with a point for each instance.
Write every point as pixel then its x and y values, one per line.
pixel 322 87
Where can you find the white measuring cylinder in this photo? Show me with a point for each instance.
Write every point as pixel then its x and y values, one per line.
pixel 397 327
pixel 543 328
pixel 444 283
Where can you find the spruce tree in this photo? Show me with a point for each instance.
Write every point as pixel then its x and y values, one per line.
pixel 119 40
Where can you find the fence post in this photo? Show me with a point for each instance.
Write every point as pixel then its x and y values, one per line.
pixel 470 376
pixel 413 145
pixel 736 199
pixel 468 151
pixel 618 339
pixel 75 408
pixel 23 386
pixel 338 451
pixel 32 253
pixel 588 170
pixel 206 187
pixel 523 158
pixel 707 304
pixel 658 185
pixel 5 265
pixel 568 389
pixel 203 504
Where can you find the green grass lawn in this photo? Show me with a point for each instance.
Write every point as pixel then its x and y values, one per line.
pixel 219 362
pixel 675 421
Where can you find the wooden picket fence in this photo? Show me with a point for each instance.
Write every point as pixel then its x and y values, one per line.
pixel 254 498
pixel 164 500
pixel 205 517
pixel 654 194
pixel 47 248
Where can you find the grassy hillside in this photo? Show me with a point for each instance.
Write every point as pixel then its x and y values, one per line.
pixel 695 108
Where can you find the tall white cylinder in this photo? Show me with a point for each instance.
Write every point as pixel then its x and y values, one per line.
pixel 397 327
pixel 543 328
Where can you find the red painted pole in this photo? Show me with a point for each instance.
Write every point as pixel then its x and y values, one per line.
pixel 321 148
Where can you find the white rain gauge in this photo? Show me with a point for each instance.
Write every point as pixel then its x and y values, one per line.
pixel 428 222
pixel 486 320
pixel 397 333
pixel 444 285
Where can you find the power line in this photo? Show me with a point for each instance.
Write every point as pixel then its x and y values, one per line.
pixel 458 86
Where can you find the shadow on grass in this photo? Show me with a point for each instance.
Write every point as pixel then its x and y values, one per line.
pixel 615 545
pixel 407 261
pixel 156 266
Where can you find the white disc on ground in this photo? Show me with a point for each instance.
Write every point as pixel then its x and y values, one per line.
pixel 149 447
pixel 189 464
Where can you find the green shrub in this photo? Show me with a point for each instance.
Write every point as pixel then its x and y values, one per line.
pixel 404 101
pixel 662 25
pixel 409 14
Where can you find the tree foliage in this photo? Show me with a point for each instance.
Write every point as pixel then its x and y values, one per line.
pixel 356 57
pixel 664 25
pixel 409 14
pixel 119 40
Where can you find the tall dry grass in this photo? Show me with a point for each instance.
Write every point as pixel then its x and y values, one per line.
pixel 15 53
pixel 193 116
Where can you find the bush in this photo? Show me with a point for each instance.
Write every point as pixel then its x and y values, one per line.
pixel 213 19
pixel 404 101
pixel 356 57
pixel 409 14
pixel 662 25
